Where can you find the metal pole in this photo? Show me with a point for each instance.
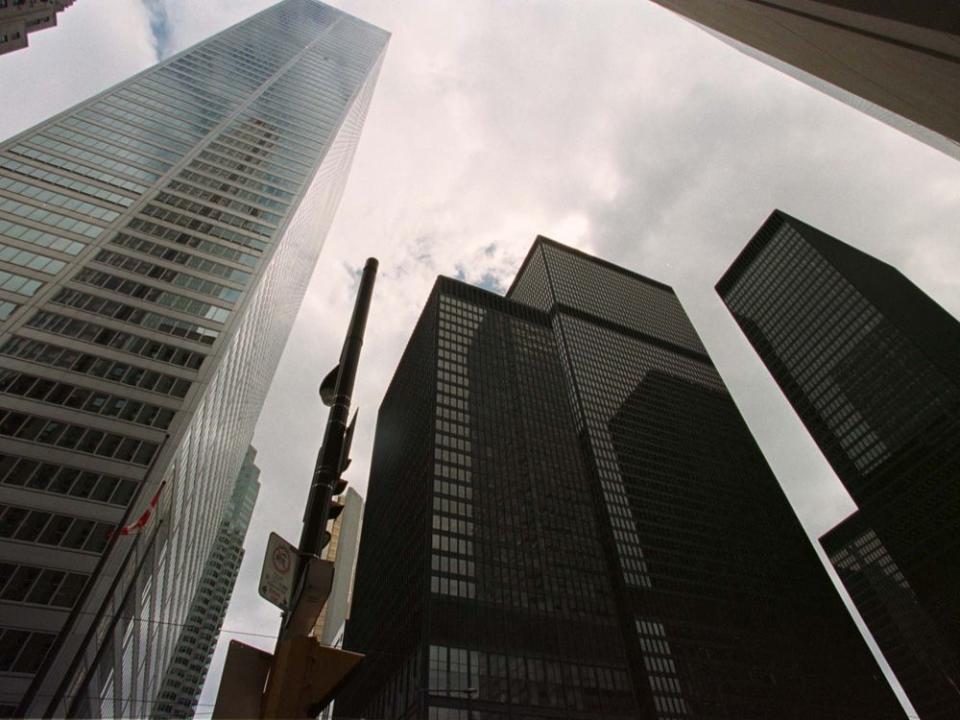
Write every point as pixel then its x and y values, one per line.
pixel 327 470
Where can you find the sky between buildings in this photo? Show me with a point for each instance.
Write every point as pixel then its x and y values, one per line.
pixel 610 125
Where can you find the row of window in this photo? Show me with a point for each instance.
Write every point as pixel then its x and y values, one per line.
pixel 184 115
pixel 452 565
pixel 163 252
pixel 454 415
pixel 58 200
pixel 274 168
pixel 118 339
pixel 111 150
pixel 76 437
pixel 214 213
pixel 226 181
pixel 257 145
pixel 49 218
pixel 80 169
pixel 31 260
pixel 450 544
pixel 191 222
pixel 148 293
pixel 455 443
pixel 112 370
pixel 19 284
pixel 453 472
pixel 62 480
pixel 22 651
pixel 158 85
pixel 180 237
pixel 102 162
pixel 252 170
pixel 441 504
pixel 21 384
pixel 41 238
pixel 443 487
pixel 138 125
pixel 453 587
pixel 44 528
pixel 114 144
pixel 164 274
pixel 249 179
pixel 66 182
pixel 221 201
pixel 105 128
pixel 135 316
pixel 40 586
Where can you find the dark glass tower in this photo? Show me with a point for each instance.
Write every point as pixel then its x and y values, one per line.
pixel 576 523
pixel 872 367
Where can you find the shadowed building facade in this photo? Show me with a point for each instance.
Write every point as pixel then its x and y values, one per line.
pixel 19 18
pixel 872 366
pixel 156 241
pixel 896 60
pixel 577 523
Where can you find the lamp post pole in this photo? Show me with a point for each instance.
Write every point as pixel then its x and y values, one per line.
pixel 330 460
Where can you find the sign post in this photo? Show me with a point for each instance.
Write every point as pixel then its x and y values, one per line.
pixel 279 569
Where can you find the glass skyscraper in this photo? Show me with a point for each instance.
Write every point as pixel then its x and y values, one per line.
pixel 576 523
pixel 155 244
pixel 185 676
pixel 872 366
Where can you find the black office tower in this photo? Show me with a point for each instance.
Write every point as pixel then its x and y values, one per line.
pixel 568 518
pixel 872 367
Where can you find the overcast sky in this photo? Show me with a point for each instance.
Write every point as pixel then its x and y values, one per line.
pixel 610 125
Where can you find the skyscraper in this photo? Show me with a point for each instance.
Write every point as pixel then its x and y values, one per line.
pixel 19 18
pixel 872 367
pixel 184 679
pixel 576 523
pixel 157 240
pixel 896 60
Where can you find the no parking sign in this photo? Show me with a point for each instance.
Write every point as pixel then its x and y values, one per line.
pixel 276 578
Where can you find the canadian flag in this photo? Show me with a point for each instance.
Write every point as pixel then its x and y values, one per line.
pixel 142 520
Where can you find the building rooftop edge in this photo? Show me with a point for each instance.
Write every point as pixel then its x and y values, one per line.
pixel 542 240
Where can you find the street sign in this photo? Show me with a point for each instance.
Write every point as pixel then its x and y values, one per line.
pixel 279 566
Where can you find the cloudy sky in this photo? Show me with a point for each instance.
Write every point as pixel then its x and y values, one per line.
pixel 610 125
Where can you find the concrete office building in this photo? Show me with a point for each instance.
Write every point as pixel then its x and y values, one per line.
pixel 896 60
pixel 156 241
pixel 872 366
pixel 184 680
pixel 576 523
pixel 19 18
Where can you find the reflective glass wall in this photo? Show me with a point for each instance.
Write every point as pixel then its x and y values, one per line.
pixel 157 241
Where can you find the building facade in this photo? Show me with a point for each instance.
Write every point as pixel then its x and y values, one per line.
pixel 910 640
pixel 872 367
pixel 896 60
pixel 578 524
pixel 157 240
pixel 19 18
pixel 185 676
